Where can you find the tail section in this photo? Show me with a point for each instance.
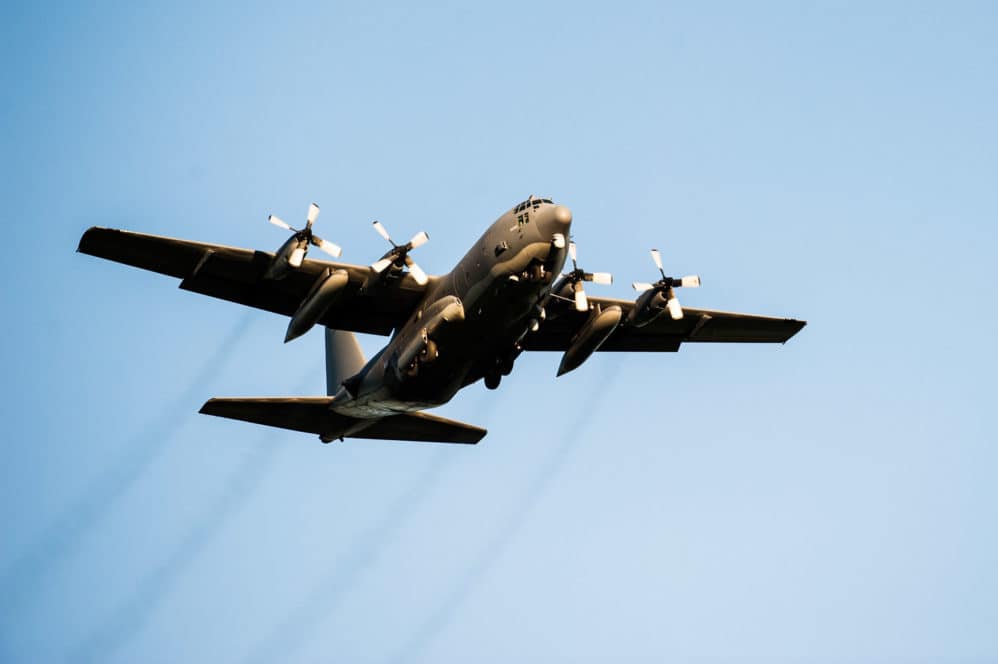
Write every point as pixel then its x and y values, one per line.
pixel 344 358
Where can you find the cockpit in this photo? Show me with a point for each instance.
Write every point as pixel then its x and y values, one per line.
pixel 532 202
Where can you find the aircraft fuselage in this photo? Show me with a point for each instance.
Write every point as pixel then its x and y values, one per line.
pixel 469 323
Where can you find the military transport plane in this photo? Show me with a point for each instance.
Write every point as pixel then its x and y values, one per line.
pixel 446 332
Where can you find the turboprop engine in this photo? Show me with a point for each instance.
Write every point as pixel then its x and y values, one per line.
pixel 295 248
pixel 570 286
pixel 659 297
pixel 398 256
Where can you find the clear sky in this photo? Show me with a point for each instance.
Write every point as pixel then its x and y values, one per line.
pixel 829 500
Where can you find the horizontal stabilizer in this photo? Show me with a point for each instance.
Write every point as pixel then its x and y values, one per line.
pixel 422 427
pixel 308 414
pixel 313 415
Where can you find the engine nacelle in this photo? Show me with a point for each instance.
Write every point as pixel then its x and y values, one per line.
pixel 650 305
pixel 597 329
pixel 324 292
pixel 289 256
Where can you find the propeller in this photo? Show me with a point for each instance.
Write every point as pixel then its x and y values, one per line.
pixel 399 254
pixel 577 276
pixel 666 284
pixel 306 234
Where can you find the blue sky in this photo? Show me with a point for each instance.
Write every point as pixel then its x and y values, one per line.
pixel 829 500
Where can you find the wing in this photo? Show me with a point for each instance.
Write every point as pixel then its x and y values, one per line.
pixel 664 334
pixel 236 275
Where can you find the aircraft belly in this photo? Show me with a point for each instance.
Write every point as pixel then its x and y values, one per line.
pixel 385 395
pixel 382 402
pixel 377 408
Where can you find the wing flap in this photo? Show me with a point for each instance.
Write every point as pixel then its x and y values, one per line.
pixel 238 277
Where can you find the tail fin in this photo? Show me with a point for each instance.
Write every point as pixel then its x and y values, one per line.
pixel 344 358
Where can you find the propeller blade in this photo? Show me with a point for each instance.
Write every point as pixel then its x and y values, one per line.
pixel 642 286
pixel 313 213
pixel 657 257
pixel 571 251
pixel 277 221
pixel 383 232
pixel 692 281
pixel 581 301
pixel 602 278
pixel 419 239
pixel 381 265
pixel 416 271
pixel 297 256
pixel 333 250
pixel 675 309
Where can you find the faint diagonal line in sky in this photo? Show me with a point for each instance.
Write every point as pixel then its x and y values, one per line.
pixel 412 648
pixel 130 618
pixel 295 628
pixel 60 538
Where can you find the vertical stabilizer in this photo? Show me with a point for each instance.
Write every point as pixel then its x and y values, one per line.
pixel 344 358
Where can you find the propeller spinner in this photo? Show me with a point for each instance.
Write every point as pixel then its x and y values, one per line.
pixel 577 276
pixel 398 255
pixel 307 236
pixel 666 284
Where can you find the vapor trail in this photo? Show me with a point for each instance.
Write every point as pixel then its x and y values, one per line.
pixel 129 619
pixel 60 538
pixel 412 648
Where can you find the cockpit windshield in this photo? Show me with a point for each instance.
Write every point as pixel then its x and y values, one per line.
pixel 532 202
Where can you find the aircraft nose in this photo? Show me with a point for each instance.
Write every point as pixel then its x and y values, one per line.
pixel 562 216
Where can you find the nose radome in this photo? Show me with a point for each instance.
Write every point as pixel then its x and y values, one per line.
pixel 562 215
